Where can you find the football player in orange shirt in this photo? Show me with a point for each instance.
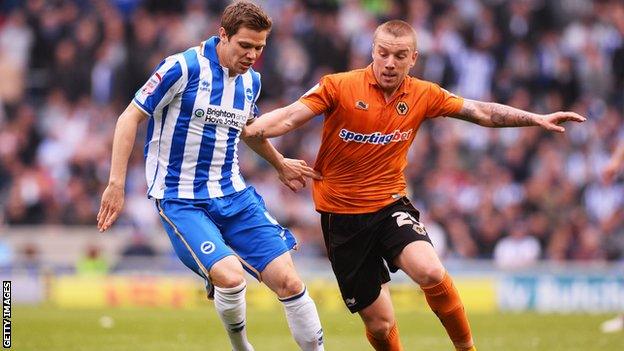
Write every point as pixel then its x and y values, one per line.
pixel 371 118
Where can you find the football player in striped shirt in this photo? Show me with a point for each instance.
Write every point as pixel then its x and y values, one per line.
pixel 197 103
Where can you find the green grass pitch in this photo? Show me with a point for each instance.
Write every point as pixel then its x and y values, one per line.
pixel 49 328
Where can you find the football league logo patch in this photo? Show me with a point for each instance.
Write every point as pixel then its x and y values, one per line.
pixel 402 108
pixel 152 84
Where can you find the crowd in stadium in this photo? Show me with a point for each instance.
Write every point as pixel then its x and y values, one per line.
pixel 69 68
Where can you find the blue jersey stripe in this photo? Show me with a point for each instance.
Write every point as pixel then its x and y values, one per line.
pixel 148 136
pixel 217 83
pixel 226 170
pixel 176 155
pixel 200 188
pixel 239 94
pixel 168 79
pixel 210 49
pixel 162 127
pixel 255 78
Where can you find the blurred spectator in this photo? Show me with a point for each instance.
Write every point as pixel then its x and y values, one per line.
pixel 68 65
pixel 138 247
pixel 15 41
pixel 29 261
pixel 518 250
pixel 92 263
pixel 136 256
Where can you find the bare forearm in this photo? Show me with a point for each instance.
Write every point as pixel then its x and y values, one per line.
pixel 495 115
pixel 271 124
pixel 507 116
pixel 266 150
pixel 123 142
pixel 280 121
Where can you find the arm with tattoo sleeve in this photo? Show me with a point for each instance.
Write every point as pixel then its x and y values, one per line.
pixel 495 115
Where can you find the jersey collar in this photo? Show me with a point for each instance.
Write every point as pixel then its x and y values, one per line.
pixel 208 49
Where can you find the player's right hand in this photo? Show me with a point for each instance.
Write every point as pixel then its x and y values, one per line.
pixel 552 121
pixel 293 173
pixel 110 207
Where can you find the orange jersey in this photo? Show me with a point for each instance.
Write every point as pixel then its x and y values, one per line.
pixel 366 139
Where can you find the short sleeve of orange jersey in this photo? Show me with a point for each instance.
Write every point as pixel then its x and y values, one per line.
pixel 322 97
pixel 442 102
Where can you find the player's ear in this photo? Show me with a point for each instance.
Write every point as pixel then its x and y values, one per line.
pixel 414 58
pixel 223 35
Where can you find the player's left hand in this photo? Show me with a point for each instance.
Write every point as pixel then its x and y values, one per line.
pixel 110 206
pixel 552 121
pixel 293 173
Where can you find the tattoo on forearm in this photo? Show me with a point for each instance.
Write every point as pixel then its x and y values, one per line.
pixel 468 113
pixel 495 115
pixel 506 116
pixel 259 134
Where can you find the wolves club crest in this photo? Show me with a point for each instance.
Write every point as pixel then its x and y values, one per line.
pixel 402 108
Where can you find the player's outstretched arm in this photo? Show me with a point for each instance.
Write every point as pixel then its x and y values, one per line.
pixel 291 172
pixel 280 121
pixel 495 115
pixel 615 163
pixel 123 141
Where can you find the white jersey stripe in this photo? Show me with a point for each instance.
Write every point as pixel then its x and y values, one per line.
pixel 237 179
pixel 218 157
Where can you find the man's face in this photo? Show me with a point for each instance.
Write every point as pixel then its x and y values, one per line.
pixel 393 57
pixel 242 49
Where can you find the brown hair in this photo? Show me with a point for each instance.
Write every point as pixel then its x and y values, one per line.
pixel 244 14
pixel 397 28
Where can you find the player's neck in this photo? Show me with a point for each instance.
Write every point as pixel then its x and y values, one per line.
pixel 222 61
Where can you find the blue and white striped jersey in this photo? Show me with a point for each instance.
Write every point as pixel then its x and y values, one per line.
pixel 197 112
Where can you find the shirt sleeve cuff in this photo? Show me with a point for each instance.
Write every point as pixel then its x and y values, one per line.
pixel 141 107
pixel 312 106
